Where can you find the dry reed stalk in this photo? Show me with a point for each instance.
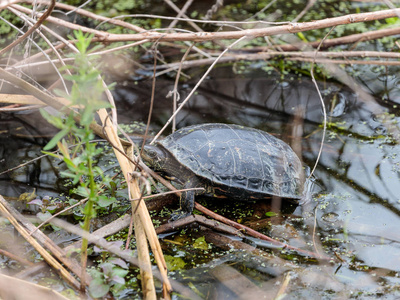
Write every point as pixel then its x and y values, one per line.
pixel 23 99
pixel 14 288
pixel 46 256
pixel 143 257
pixel 45 98
pixel 142 211
pixel 47 243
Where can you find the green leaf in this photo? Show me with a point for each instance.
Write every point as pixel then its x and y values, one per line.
pixel 44 216
pixel 107 268
pixel 89 211
pixel 174 263
pixel 53 142
pixel 200 243
pixel 119 272
pixel 72 201
pixel 96 274
pixel 105 201
pixel 117 279
pixel 83 40
pixel 73 176
pixel 70 164
pixel 55 155
pixel 82 191
pixel 118 262
pixel 302 37
pixel 54 120
pixel 271 214
pixel 87 117
pixel 98 288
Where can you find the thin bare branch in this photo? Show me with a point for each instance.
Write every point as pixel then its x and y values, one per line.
pixel 175 92
pixel 91 15
pixel 254 233
pixel 43 17
pixel 195 88
pixel 310 3
pixel 181 13
pixel 323 108
pixel 30 21
pixel 298 55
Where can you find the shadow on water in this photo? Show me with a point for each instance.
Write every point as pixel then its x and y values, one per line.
pixel 355 207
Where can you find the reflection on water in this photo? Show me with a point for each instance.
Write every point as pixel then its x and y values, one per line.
pixel 357 205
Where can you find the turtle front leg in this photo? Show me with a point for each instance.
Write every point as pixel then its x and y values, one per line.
pixel 186 206
pixel 186 201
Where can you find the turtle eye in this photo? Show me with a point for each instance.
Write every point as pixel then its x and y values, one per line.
pixel 152 153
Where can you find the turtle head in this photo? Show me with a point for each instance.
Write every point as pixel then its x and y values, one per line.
pixel 155 156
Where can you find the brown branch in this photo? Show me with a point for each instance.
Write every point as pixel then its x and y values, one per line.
pixel 215 225
pixel 350 62
pixel 142 217
pixel 233 57
pixel 316 244
pixel 353 38
pixel 209 36
pixel 106 230
pixel 257 32
pixel 5 3
pixel 254 233
pixel 12 256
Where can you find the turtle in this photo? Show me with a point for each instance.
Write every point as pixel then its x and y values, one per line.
pixel 226 160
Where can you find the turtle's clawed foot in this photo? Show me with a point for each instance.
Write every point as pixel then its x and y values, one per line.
pixel 179 214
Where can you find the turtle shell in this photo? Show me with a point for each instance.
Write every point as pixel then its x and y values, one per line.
pixel 237 157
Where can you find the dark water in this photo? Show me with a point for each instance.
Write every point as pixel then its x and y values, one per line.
pixel 354 211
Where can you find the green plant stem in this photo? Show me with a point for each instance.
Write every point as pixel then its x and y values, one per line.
pixel 88 217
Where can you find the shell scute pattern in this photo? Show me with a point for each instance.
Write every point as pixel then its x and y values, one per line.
pixel 238 157
pixel 255 184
